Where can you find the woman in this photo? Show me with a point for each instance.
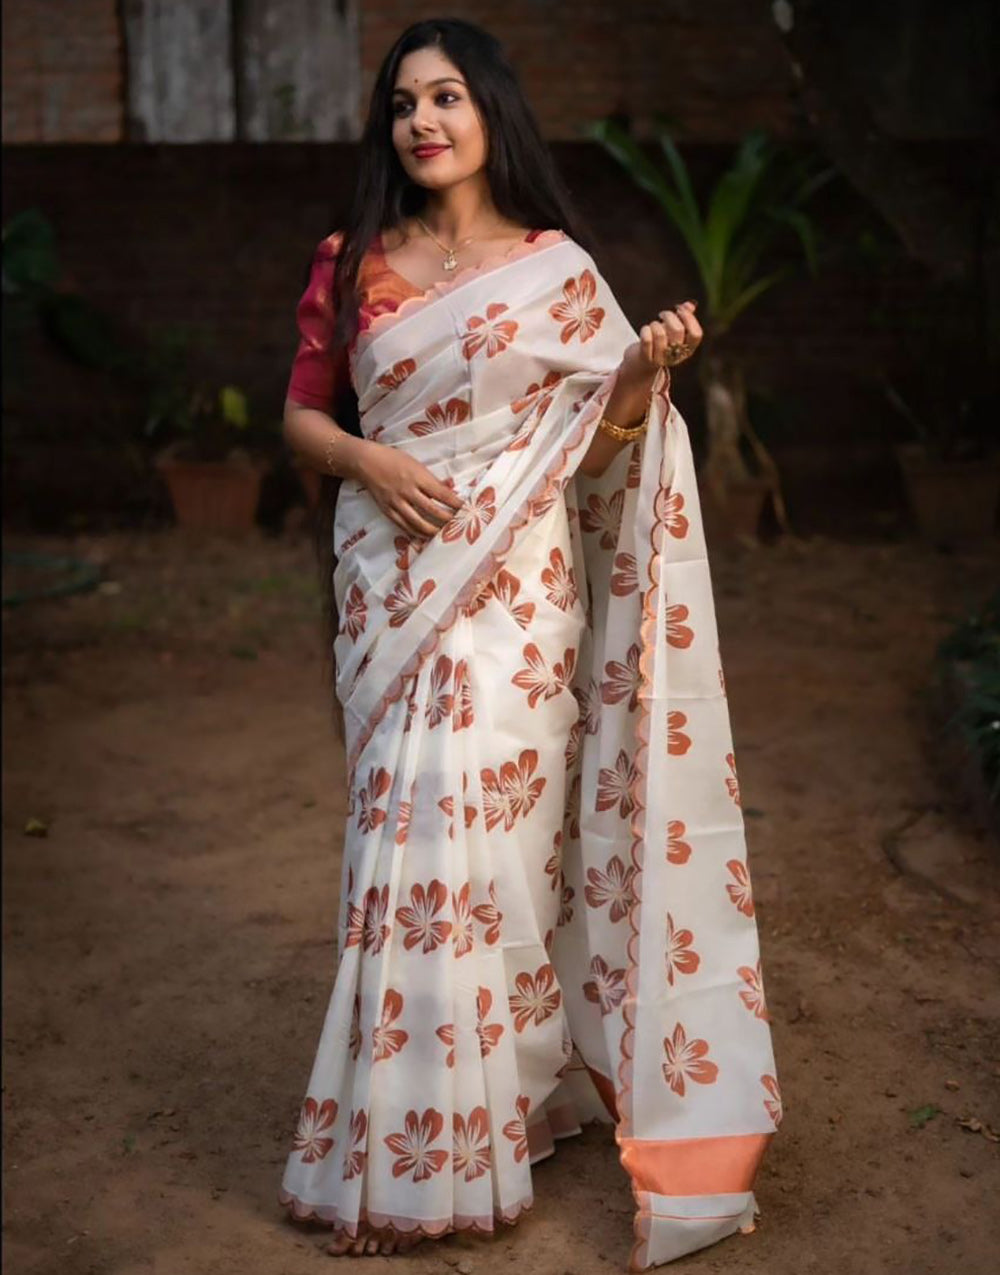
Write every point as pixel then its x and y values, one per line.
pixel 546 913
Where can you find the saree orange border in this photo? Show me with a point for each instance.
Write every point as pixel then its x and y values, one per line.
pixel 695 1166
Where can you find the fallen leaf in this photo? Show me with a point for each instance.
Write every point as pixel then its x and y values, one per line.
pixel 36 828
pixel 920 1115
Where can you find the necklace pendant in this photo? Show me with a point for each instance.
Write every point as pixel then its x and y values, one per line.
pixel 450 262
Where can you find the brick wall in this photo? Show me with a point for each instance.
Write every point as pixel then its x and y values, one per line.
pixel 62 71
pixel 717 67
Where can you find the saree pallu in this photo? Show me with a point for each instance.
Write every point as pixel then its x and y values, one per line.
pixel 546 910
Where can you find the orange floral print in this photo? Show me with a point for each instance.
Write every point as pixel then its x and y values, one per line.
pixel 589 699
pixel 740 892
pixel 462 934
pixel 447 804
pixel 314 1120
pixel 538 679
pixel 397 374
pixel 512 793
pixel 439 701
pixel 374 931
pixel 516 1129
pixel 413 1146
pixel 553 865
pixel 686 1060
pixel 667 508
pixel 505 588
pixel 491 333
pixel 371 815
pixel 606 987
pixel 490 916
pixel 678 850
pixel 571 811
pixel 354 1040
pixel 678 633
pixel 572 749
pixel 471 1154
pixel 614 785
pixel 680 955
pixel 420 920
pixel 576 312
pixel 772 1105
pixel 355 920
pixel 352 540
pixel 463 715
pixel 624 579
pixel 407 550
pixel 566 905
pixel 612 886
pixel 623 679
pixel 604 516
pixel 489 1033
pixel 470 520
pixel 732 783
pixel 537 396
pixel 752 995
pixel 455 411
pixel 387 1039
pixel 355 613
pixel 354 1161
pixel 401 602
pixel 403 819
pixel 677 742
pixel 559 582
pixel 536 999
pixel 446 1034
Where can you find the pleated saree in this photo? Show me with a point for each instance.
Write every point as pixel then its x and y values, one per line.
pixel 546 911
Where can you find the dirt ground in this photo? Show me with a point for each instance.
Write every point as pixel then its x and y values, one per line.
pixel 170 941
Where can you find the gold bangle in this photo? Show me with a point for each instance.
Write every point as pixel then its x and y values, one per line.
pixel 620 432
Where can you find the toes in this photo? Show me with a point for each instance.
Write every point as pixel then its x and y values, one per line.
pixel 371 1246
pixel 389 1245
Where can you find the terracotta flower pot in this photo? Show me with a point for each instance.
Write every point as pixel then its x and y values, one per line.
pixel 738 520
pixel 953 501
pixel 214 496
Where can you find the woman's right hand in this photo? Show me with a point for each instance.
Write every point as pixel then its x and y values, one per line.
pixel 405 490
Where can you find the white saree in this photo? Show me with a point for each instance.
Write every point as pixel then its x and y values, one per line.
pixel 546 910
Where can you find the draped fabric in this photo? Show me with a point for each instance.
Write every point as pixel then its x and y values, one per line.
pixel 546 908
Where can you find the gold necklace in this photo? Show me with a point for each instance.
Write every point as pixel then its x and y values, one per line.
pixel 450 260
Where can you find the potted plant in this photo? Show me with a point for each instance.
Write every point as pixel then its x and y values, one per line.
pixel 967 702
pixel 757 199
pixel 949 395
pixel 213 462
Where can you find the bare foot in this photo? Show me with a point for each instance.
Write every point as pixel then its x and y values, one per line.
pixel 366 1245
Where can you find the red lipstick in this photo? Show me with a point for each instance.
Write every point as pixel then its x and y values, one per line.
pixel 428 151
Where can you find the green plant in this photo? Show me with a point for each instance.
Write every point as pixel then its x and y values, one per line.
pixel 755 203
pixel 185 411
pixel 31 296
pixel 947 389
pixel 973 650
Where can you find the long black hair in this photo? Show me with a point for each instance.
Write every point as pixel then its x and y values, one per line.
pixel 523 181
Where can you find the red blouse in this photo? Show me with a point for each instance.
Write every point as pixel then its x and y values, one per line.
pixel 318 376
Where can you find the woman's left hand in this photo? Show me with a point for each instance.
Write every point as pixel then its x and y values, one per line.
pixel 674 328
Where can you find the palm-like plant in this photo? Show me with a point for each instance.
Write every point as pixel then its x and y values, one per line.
pixel 755 202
